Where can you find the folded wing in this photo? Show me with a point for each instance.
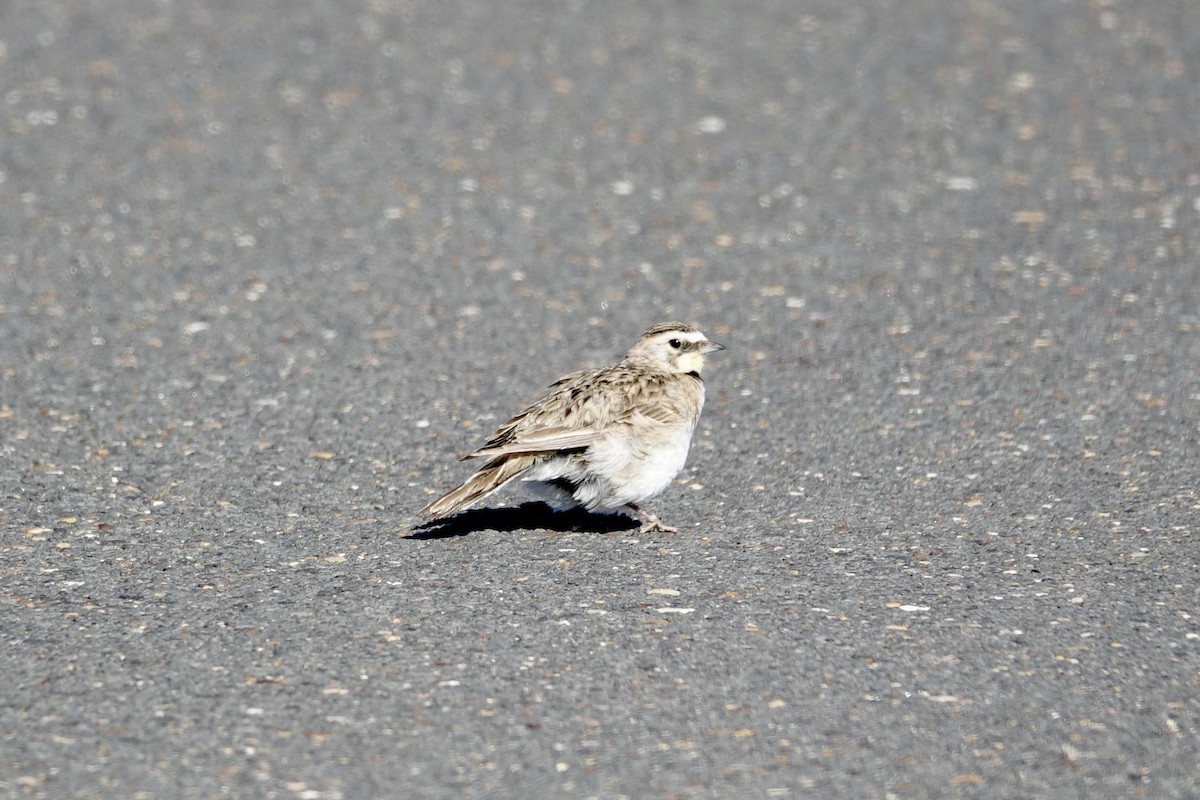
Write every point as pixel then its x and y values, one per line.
pixel 580 407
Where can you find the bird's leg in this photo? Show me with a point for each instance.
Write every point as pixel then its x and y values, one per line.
pixel 650 522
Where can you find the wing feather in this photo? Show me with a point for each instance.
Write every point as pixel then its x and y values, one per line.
pixel 546 441
pixel 575 413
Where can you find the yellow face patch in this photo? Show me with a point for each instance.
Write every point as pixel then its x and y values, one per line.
pixel 690 362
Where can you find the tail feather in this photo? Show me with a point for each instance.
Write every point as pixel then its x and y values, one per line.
pixel 493 475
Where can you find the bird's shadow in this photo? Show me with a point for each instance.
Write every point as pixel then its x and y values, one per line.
pixel 527 516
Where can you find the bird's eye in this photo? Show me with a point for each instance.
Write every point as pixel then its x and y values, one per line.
pixel 675 343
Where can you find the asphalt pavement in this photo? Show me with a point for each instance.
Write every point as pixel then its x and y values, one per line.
pixel 267 269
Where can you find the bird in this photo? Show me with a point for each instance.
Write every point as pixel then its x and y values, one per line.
pixel 604 439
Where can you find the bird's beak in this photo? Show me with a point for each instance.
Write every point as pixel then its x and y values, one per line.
pixel 711 347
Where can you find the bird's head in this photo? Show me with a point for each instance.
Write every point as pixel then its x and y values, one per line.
pixel 676 348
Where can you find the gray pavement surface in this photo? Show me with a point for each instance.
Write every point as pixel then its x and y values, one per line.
pixel 267 268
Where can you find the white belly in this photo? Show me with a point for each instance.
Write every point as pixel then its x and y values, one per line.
pixel 621 468
pixel 641 477
pixel 612 473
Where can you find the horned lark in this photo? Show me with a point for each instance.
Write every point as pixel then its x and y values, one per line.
pixel 604 439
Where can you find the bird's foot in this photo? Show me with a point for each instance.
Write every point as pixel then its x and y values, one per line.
pixel 650 522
